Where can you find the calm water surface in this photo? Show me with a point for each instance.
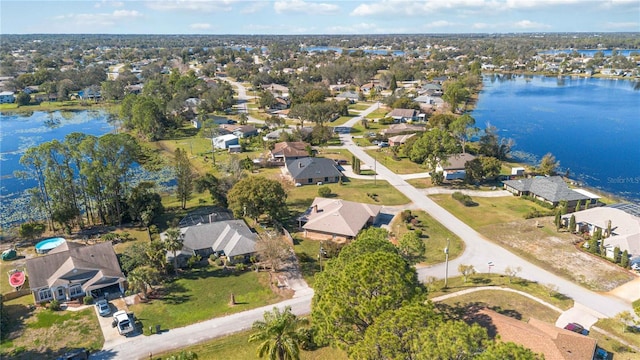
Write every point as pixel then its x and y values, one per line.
pixel 591 125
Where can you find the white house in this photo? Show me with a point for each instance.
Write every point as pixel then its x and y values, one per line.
pixel 7 97
pixel 224 141
pixel 454 167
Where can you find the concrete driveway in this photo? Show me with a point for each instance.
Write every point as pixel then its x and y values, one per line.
pixel 110 333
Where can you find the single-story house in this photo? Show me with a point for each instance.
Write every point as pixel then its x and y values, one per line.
pixel 434 101
pixel 134 88
pixel 241 131
pixel 404 115
pixel 280 104
pixel 625 227
pixel 311 170
pixel 31 89
pixel 284 151
pixel 231 238
pixel 337 219
pixel 7 97
pixel 350 96
pixel 453 168
pixel 72 270
pixel 431 89
pixel 192 103
pixel 89 94
pixel 540 337
pixel 277 89
pixel 550 189
pixel 366 88
pixel 399 139
pixel 399 129
pixel 224 141
pixel 277 134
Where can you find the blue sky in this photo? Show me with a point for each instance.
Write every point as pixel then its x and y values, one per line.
pixel 318 17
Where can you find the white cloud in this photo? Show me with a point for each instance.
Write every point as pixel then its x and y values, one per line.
pixel 109 3
pixel 484 26
pixel 190 5
pixel 200 26
pixel 99 19
pixel 253 7
pixel 417 8
pixel 527 24
pixel 306 7
pixel 355 29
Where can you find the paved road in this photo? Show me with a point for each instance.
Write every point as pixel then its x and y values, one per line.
pixel 243 99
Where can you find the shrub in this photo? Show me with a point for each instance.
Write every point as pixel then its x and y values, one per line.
pixel 463 199
pixel 324 191
pixel 87 300
pixel 406 216
pixel 241 267
pixel 54 305
pixel 220 262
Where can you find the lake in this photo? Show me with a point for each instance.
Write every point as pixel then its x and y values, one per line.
pixel 19 131
pixel 591 125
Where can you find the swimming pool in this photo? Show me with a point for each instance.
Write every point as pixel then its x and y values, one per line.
pixel 45 245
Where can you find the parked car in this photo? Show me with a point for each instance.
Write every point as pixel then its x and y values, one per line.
pixel 122 322
pixel 103 307
pixel 601 354
pixel 577 328
pixel 383 144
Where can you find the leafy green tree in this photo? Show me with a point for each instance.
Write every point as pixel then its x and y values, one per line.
pixel 405 103
pixel 508 350
pixel 174 242
pixel 184 177
pixel 255 196
pixel 279 335
pixel 445 121
pixel 353 291
pixel 396 333
pixel 625 318
pixel 23 99
pixel 368 241
pixel 216 189
pixel 454 94
pixel 548 164
pixel 466 271
pixel 437 177
pixel 412 248
pixel 267 99
pixel 144 204
pixel 433 146
pixel 452 340
pixel 624 259
pixel 474 171
pixel 572 224
pixel 324 191
pixel 557 221
pixel 5 320
pixel 491 166
pixel 31 230
pixel 493 145
pixel 617 255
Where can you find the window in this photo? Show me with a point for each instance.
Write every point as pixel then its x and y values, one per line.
pixel 44 294
pixel 75 290
pixel 60 292
pixel 310 181
pixel 326 179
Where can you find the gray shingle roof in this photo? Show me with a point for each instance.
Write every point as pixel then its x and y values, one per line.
pixel 312 168
pixel 232 236
pixel 87 265
pixel 552 188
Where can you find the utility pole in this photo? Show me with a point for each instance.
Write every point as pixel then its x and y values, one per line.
pixel 446 265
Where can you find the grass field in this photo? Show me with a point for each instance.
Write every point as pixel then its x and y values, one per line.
pixel 615 327
pixel 483 279
pixel 204 293
pixel 238 347
pixel 300 198
pixel 341 120
pixel 307 251
pixel 378 114
pixel 435 237
pixel 401 166
pixel 514 305
pixel 40 333
pixel 359 106
pixel 489 210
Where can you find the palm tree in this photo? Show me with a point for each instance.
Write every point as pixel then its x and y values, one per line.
pixel 173 242
pixel 279 335
pixel 141 278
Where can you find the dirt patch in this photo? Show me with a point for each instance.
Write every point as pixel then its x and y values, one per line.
pixel 537 241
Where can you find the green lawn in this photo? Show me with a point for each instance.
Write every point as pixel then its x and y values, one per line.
pixel 401 166
pixel 341 120
pixel 372 127
pixel 422 183
pixel 238 347
pixel 300 198
pixel 378 114
pixel 484 279
pixel 511 304
pixel 359 106
pixel 615 327
pixel 435 237
pixel 204 293
pixel 40 333
pixel 489 210
pixel 307 251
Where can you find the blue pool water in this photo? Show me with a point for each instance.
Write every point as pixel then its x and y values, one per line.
pixel 48 244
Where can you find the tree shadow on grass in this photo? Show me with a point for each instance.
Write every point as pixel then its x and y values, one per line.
pixel 208 272
pixel 480 280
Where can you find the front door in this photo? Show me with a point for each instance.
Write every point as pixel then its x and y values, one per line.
pixel 60 293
